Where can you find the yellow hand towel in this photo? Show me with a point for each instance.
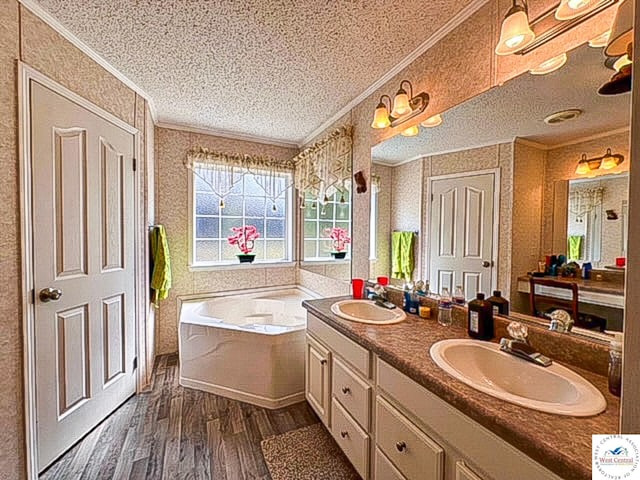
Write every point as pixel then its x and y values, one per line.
pixel 161 277
pixel 575 247
pixel 402 263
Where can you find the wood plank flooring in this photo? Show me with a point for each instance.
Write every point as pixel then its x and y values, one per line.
pixel 174 432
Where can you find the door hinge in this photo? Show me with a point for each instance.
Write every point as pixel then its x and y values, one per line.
pixel 135 164
pixel 432 197
pixel 135 362
pixel 33 296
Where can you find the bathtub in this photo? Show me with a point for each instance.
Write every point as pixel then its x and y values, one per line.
pixel 246 346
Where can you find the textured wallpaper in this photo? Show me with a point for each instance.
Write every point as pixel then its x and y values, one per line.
pixel 381 265
pixel 172 211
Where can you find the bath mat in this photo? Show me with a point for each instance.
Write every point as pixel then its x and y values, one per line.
pixel 308 453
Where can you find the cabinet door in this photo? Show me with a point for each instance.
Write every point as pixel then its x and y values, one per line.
pixel 465 473
pixel 317 381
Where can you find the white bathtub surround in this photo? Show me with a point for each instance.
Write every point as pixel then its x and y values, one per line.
pixel 246 346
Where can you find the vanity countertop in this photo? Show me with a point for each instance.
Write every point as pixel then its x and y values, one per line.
pixel 596 286
pixel 562 444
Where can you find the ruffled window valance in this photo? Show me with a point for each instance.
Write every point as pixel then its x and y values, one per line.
pixel 325 168
pixel 222 171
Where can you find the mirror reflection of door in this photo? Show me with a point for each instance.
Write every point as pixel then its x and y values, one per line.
pixel 462 233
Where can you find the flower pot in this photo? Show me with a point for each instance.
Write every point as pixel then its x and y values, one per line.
pixel 338 255
pixel 246 257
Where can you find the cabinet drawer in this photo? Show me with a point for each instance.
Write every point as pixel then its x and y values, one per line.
pixel 353 441
pixel 409 449
pixel 385 469
pixel 465 473
pixel 353 353
pixel 352 392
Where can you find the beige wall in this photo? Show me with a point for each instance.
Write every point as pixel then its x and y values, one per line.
pixel 172 211
pixel 381 265
pixel 526 214
pixel 23 36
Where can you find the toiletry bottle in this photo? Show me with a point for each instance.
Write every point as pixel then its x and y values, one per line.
pixel 444 308
pixel 500 304
pixel 480 321
pixel 458 296
pixel 414 302
pixel 615 364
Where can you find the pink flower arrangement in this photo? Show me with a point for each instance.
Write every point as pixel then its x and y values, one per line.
pixel 244 237
pixel 340 237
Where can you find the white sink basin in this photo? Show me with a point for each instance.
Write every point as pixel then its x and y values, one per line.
pixel 483 366
pixel 366 311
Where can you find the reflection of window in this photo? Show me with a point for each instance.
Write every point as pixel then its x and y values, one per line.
pixel 318 218
pixel 373 223
pixel 246 204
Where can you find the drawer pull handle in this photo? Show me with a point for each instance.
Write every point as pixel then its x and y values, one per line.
pixel 346 390
pixel 401 446
pixel 344 434
pixel 323 362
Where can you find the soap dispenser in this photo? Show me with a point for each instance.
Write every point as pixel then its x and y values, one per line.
pixel 480 319
pixel 615 364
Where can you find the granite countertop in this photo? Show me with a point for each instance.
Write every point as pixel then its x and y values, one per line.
pixel 596 286
pixel 560 443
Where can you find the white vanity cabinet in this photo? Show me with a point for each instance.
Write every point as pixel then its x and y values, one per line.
pixel 392 428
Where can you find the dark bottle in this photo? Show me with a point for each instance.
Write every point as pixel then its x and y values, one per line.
pixel 500 304
pixel 480 321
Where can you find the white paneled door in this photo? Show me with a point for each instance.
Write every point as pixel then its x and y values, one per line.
pixel 461 234
pixel 83 257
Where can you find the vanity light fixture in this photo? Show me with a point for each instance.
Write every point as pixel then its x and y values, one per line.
pixel 405 106
pixel 550 65
pixel 606 162
pixel 601 40
pixel 516 32
pixel 569 9
pixel 521 36
pixel 432 121
pixel 412 131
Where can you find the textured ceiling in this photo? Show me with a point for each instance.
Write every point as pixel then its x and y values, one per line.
pixel 277 69
pixel 518 108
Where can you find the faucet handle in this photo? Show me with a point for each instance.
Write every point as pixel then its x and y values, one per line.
pixel 518 331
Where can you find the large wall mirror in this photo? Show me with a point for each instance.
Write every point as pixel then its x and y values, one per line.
pixel 500 187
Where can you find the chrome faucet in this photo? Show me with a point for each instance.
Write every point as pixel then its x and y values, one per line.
pixel 519 345
pixel 380 297
pixel 560 322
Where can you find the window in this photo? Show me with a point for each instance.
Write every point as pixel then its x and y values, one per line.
pixel 247 203
pixel 336 212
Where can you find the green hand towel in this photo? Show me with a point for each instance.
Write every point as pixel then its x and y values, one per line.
pixel 402 263
pixel 575 247
pixel 161 277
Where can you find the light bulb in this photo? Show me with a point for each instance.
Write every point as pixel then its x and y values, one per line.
pixel 569 9
pixel 433 121
pixel 411 131
pixel 516 33
pixel 550 65
pixel 621 62
pixel 601 40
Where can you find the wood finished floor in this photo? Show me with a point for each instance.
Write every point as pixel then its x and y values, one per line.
pixel 174 433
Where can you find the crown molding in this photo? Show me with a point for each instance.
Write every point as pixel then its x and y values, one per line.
pixel 531 143
pixel 50 20
pixel 442 32
pixel 227 134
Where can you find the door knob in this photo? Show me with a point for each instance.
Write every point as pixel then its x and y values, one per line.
pixel 50 294
pixel 487 264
